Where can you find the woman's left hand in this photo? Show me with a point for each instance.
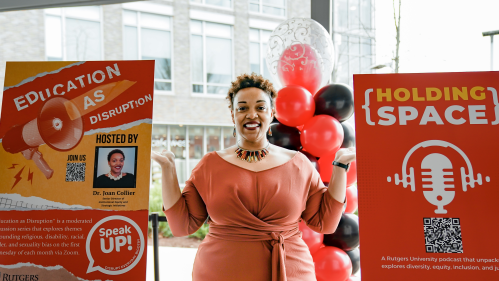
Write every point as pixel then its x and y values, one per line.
pixel 345 155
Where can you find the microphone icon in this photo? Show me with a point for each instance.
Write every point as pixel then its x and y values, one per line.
pixel 438 180
pixel 436 170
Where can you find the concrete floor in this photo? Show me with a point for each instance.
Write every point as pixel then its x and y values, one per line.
pixel 175 264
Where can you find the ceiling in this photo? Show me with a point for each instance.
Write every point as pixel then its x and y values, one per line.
pixel 17 5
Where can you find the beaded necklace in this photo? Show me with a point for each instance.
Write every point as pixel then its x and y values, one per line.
pixel 252 156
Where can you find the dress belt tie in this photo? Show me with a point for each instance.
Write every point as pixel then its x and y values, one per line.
pixel 277 238
pixel 278 257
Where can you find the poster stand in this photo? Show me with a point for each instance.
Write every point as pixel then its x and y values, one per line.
pixel 154 218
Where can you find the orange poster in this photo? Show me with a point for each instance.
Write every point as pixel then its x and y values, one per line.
pixel 75 142
pixel 427 175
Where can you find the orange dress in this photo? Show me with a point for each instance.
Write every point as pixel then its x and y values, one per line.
pixel 254 219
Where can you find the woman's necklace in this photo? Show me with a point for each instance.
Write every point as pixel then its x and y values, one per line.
pixel 113 177
pixel 252 155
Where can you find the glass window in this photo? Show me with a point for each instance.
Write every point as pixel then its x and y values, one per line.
pixel 159 137
pixel 53 37
pixel 159 142
pixel 201 140
pixel 221 3
pixel 213 135
pixel 365 14
pixel 353 15
pixel 131 38
pixel 255 57
pixel 130 17
pixel 258 51
pixel 178 147
pixel 229 139
pixel 341 14
pixel 254 35
pixel 73 33
pixel 85 12
pixel 148 36
pixel 366 56
pixel 154 21
pixel 269 7
pixel 211 57
pixel 354 38
pixel 195 142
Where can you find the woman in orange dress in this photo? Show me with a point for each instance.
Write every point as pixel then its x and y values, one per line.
pixel 255 194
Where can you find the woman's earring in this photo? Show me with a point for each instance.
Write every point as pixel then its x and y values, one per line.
pixel 270 132
pixel 234 133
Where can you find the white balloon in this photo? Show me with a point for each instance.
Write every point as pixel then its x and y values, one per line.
pixel 300 31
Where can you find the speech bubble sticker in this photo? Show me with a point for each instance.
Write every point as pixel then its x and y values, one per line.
pixel 119 242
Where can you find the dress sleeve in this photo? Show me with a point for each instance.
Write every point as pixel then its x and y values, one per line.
pixel 189 213
pixel 322 212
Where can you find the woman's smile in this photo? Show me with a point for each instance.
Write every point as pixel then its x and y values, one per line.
pixel 252 125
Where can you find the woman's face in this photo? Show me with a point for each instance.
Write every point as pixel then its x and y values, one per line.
pixel 252 113
pixel 116 163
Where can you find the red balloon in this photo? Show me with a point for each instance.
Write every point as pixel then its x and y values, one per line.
pixel 311 238
pixel 352 199
pixel 300 65
pixel 351 174
pixel 300 128
pixel 322 135
pixel 326 164
pixel 294 106
pixel 332 263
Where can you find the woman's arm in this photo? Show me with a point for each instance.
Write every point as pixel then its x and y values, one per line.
pixel 338 182
pixel 169 182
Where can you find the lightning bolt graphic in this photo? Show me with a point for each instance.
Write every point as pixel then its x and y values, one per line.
pixel 13 166
pixel 30 176
pixel 18 177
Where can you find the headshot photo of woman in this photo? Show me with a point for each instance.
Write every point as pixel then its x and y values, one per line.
pixel 115 173
pixel 254 194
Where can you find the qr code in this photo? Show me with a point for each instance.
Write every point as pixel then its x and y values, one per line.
pixel 443 235
pixel 75 172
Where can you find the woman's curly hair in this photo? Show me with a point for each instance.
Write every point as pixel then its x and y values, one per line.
pixel 251 80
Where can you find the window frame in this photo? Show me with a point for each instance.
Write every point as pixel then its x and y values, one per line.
pixel 263 52
pixel 63 16
pixel 139 45
pixel 204 4
pixel 260 9
pixel 205 80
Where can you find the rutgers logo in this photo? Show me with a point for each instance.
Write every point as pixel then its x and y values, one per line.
pixel 18 277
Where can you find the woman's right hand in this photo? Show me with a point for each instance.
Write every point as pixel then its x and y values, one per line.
pixel 164 159
pixel 169 183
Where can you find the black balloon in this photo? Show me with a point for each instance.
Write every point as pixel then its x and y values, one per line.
pixel 335 100
pixel 312 159
pixel 348 135
pixel 355 258
pixel 346 236
pixel 284 136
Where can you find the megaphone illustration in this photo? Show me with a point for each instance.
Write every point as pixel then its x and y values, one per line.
pixel 53 127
